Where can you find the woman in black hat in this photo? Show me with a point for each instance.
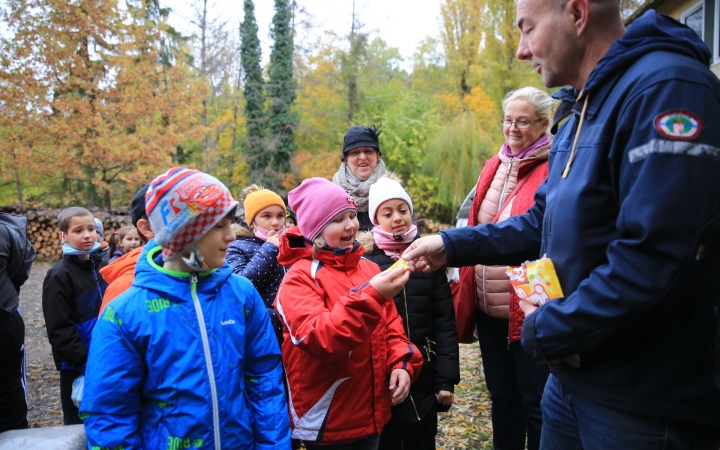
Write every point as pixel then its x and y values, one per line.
pixel 361 168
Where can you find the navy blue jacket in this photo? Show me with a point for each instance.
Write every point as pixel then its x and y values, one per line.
pixel 633 231
pixel 256 260
pixel 72 293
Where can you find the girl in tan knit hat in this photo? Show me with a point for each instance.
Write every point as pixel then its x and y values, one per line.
pixel 254 252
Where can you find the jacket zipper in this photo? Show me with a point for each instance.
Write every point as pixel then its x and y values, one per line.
pixel 97 282
pixel 208 359
pixel 507 179
pixel 407 316
pixel 407 330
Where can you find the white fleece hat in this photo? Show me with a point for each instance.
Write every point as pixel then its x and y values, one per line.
pixel 383 190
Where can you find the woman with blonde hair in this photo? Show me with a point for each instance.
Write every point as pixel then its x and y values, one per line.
pixel 506 187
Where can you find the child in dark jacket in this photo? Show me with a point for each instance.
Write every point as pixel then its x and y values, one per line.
pixel 426 307
pixel 72 294
pixel 254 253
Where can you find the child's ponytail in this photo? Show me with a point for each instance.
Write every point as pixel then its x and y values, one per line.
pixel 118 236
pixel 112 243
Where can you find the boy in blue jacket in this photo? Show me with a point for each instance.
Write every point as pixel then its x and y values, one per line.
pixel 186 358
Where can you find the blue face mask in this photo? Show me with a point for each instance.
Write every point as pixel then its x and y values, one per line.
pixel 69 250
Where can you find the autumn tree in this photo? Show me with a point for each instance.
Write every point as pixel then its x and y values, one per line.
pixel 281 121
pixel 102 113
pixel 462 34
pixel 501 71
pixel 351 61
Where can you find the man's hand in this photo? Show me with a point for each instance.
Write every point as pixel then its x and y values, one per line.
pixel 399 386
pixel 426 254
pixel 444 397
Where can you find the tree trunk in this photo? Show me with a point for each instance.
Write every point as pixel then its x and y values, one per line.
pixel 18 181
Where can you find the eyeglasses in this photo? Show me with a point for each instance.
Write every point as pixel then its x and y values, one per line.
pixel 519 124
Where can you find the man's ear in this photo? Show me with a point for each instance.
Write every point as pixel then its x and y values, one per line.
pixel 61 236
pixel 146 232
pixel 580 10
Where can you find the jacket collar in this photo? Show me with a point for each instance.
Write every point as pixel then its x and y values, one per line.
pixel 150 274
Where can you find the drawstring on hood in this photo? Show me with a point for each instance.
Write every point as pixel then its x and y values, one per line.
pixel 577 134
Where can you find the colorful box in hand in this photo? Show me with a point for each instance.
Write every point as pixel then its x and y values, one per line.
pixel 535 281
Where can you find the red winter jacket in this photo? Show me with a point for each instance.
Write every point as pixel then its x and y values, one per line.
pixel 530 177
pixel 341 342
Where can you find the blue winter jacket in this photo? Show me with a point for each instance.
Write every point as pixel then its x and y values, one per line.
pixel 633 231
pixel 148 383
pixel 256 260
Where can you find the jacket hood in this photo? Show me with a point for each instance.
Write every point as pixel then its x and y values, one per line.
pixel 294 247
pixel 150 274
pixel 242 232
pixel 650 32
pixel 122 265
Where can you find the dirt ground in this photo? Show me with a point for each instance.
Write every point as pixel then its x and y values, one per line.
pixel 466 426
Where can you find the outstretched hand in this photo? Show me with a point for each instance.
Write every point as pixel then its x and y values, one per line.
pixel 399 386
pixel 426 254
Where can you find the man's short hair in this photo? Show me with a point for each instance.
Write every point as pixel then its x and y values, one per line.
pixel 68 213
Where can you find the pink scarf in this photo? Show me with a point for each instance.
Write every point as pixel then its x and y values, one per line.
pixel 542 140
pixel 392 244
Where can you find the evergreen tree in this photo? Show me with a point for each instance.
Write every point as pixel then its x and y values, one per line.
pixel 253 147
pixel 281 90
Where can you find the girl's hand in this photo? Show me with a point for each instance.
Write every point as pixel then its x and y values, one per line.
pixel 385 283
pixel 444 397
pixel 273 238
pixel 527 306
pixel 399 386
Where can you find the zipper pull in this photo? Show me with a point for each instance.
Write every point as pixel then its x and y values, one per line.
pixel 428 348
pixel 193 278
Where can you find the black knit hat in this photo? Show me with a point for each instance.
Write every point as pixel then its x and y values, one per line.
pixel 291 214
pixel 361 137
pixel 137 207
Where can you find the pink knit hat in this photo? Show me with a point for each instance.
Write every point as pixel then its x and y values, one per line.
pixel 316 202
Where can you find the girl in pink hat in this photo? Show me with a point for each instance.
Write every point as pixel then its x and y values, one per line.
pixel 345 352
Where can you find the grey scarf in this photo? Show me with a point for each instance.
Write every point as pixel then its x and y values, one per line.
pixel 359 189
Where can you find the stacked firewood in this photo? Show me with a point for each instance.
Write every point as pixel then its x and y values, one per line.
pixel 42 228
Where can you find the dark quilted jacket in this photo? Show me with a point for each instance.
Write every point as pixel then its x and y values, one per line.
pixel 426 307
pixel 256 260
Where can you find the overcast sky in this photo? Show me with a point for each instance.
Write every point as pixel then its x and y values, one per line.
pixel 401 23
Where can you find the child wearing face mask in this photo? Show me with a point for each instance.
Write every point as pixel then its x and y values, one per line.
pixel 426 307
pixel 345 353
pixel 254 253
pixel 71 298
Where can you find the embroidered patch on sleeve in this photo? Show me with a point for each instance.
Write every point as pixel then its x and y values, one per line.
pixel 678 124
pixel 664 146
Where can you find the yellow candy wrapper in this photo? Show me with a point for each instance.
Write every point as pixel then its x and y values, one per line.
pixel 399 263
pixel 536 281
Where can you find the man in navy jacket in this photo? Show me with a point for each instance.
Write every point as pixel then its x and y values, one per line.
pixel 630 216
